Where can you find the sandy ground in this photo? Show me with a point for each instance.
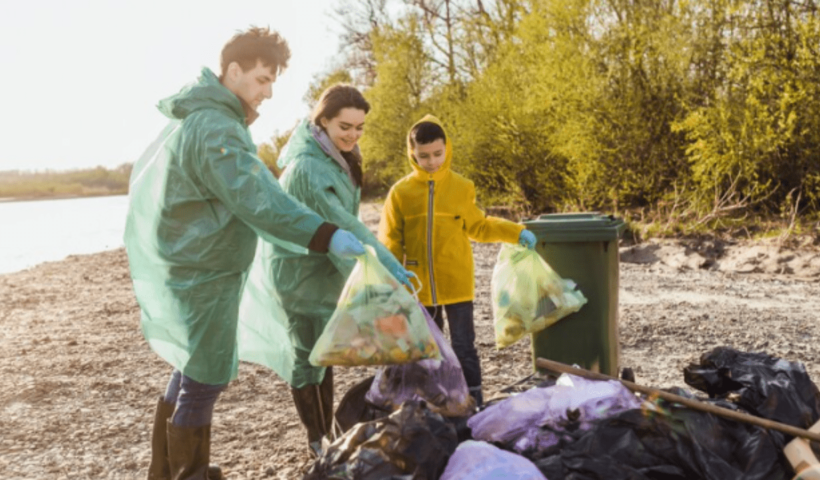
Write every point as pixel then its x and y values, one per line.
pixel 80 384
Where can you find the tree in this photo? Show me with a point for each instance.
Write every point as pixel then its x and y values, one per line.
pixel 396 99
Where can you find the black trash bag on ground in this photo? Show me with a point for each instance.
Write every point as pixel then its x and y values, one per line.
pixel 673 443
pixel 353 408
pixel 767 386
pixel 411 444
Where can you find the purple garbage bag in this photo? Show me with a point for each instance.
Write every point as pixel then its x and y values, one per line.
pixel 519 419
pixel 440 383
pixel 481 461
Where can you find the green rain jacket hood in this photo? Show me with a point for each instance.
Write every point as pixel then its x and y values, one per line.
pixel 301 286
pixel 199 196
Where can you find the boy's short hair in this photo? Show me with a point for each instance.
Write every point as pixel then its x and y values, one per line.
pixel 256 43
pixel 426 132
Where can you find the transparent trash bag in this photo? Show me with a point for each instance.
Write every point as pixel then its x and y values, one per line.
pixel 376 322
pixel 528 296
pixel 440 383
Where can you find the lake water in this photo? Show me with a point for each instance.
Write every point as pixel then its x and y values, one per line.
pixel 39 231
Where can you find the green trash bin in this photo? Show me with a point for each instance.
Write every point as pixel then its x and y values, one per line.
pixel 582 247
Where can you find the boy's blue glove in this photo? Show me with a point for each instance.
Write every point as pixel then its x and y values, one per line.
pixel 344 244
pixel 527 239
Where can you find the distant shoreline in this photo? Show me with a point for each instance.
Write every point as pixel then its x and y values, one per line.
pixel 59 197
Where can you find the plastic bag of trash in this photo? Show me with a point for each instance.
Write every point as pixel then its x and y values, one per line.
pixel 376 322
pixel 412 443
pixel 527 295
pixel 766 386
pixel 519 420
pixel 440 383
pixel 482 461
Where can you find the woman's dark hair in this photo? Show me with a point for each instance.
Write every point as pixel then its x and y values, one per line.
pixel 334 99
pixel 426 132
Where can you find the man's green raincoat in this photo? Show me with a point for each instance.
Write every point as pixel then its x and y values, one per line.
pixel 199 197
pixel 292 293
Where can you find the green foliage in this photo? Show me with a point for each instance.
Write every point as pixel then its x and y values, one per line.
pixel 269 152
pixel 89 182
pixel 322 82
pixel 695 111
pixel 396 100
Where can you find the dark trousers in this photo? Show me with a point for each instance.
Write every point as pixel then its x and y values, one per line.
pixel 194 401
pixel 462 337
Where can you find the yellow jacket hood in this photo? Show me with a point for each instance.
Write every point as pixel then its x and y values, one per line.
pixel 418 172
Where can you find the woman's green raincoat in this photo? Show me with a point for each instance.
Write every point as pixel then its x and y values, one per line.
pixel 198 198
pixel 292 293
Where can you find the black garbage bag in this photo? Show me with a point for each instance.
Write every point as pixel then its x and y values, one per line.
pixel 354 408
pixel 412 443
pixel 765 386
pixel 674 443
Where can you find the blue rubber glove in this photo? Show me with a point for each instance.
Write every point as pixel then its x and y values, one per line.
pixel 402 275
pixel 527 239
pixel 397 270
pixel 344 244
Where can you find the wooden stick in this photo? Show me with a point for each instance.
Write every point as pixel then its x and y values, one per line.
pixel 694 404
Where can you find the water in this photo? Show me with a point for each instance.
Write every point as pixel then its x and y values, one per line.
pixel 39 231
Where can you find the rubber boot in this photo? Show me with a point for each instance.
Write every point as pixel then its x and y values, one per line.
pixel 158 469
pixel 314 404
pixel 189 452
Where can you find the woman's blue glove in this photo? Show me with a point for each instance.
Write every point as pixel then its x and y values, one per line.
pixel 397 270
pixel 402 275
pixel 527 239
pixel 344 244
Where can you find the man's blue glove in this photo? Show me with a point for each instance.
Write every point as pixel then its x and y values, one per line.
pixel 344 244
pixel 527 239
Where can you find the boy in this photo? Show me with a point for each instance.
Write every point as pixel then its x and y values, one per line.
pixel 429 218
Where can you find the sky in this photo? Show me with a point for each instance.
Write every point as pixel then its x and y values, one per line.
pixel 80 79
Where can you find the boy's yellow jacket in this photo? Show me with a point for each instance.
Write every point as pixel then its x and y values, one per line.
pixel 429 219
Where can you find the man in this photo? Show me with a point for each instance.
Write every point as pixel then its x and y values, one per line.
pixel 199 198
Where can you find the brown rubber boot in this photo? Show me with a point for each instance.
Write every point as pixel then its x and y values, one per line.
pixel 326 395
pixel 158 469
pixel 314 404
pixel 189 451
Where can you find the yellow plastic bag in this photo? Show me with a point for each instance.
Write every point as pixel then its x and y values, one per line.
pixel 528 296
pixel 376 322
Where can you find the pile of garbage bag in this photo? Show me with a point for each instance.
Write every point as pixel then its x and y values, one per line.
pixel 579 429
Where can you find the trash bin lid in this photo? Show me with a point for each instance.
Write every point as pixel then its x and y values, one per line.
pixel 576 227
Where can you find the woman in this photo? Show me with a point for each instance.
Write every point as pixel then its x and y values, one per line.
pixel 323 169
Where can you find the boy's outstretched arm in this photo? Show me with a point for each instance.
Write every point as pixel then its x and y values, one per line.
pixel 391 227
pixel 483 228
